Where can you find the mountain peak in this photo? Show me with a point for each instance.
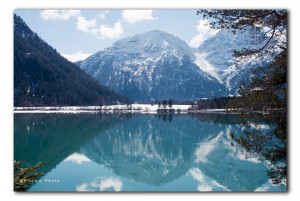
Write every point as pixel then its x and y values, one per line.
pixel 152 44
pixel 152 65
pixel 155 31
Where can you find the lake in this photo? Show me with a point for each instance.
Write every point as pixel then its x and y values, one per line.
pixel 138 152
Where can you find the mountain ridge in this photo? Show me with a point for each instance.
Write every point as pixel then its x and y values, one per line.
pixel 212 65
pixel 152 65
pixel 42 77
pixel 218 53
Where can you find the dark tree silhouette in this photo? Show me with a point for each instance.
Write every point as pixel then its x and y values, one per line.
pixel 170 103
pixel 159 105
pixel 164 103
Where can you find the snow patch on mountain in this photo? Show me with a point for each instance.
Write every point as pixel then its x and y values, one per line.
pixel 206 66
pixel 216 56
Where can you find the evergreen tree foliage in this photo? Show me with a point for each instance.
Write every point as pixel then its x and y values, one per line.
pixel 213 103
pixel 170 103
pixel 25 177
pixel 267 96
pixel 165 103
pixel 264 98
pixel 272 23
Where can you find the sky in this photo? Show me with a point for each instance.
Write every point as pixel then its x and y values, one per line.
pixel 76 34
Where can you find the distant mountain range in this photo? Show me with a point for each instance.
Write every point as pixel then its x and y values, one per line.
pixel 42 77
pixel 158 65
pixel 150 66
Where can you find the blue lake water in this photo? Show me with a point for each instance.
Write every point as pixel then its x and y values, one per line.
pixel 138 152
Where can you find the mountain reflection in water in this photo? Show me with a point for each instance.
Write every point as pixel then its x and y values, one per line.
pixel 94 152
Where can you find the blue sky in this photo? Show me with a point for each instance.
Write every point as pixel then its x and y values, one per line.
pixel 77 34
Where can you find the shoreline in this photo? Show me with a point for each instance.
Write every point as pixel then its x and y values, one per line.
pixel 134 108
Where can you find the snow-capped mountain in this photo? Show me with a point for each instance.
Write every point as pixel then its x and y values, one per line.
pixel 158 65
pixel 152 65
pixel 216 56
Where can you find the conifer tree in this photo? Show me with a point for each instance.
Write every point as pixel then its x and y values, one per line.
pixel 264 98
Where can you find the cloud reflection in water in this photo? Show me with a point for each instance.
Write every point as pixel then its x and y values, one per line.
pixel 77 158
pixel 100 184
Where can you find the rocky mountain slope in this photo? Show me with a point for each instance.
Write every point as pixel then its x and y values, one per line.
pixel 152 65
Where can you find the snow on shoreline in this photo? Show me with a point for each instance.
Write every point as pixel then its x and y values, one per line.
pixel 141 108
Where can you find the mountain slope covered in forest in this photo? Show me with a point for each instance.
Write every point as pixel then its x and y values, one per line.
pixel 42 77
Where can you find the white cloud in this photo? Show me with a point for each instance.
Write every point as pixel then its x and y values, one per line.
pixel 134 16
pixel 77 56
pixel 110 32
pixel 111 182
pixel 84 24
pixel 204 188
pixel 204 32
pixel 102 15
pixel 59 14
pixel 77 158
pixel 83 187
pixel 100 31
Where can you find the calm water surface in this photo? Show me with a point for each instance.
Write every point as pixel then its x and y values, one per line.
pixel 142 152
